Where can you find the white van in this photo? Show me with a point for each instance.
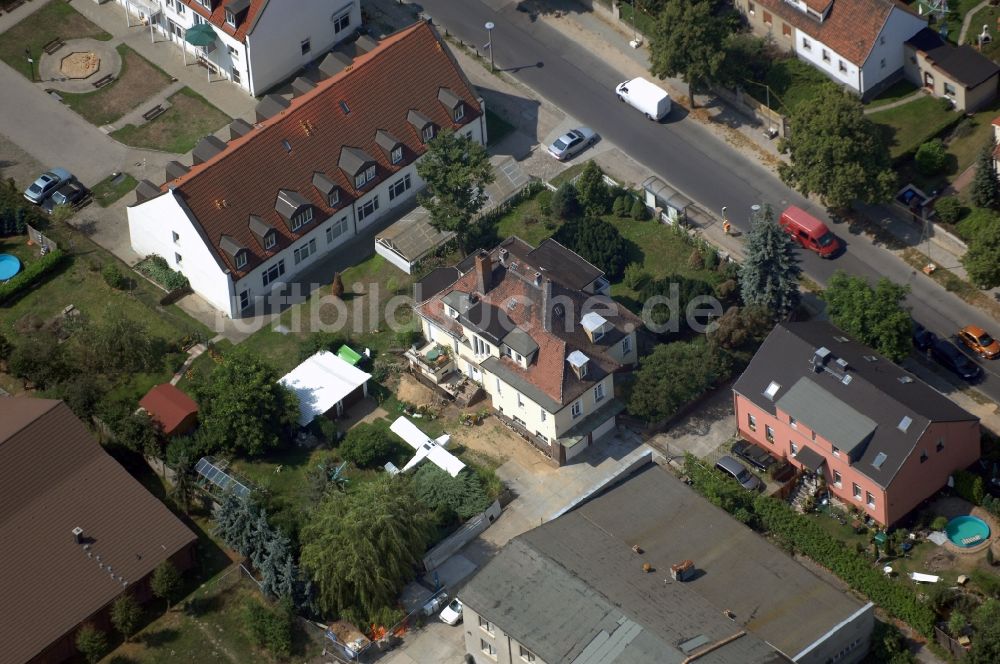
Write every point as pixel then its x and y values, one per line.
pixel 652 100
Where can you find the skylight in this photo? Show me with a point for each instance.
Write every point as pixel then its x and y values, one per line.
pixel 904 423
pixel 344 107
pixel 772 389
pixel 879 460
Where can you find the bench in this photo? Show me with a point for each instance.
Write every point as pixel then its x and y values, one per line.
pixel 53 46
pixel 101 82
pixel 154 112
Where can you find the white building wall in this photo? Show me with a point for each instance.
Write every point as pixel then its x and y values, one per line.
pixel 564 419
pixel 515 405
pixel 275 45
pixel 887 56
pixel 813 54
pixel 506 650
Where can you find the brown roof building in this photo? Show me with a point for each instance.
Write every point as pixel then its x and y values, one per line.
pixel 77 531
pixel 175 412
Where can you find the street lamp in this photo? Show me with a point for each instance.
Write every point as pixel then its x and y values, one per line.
pixel 31 62
pixel 489 44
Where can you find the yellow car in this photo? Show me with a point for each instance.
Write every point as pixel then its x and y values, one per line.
pixel 979 341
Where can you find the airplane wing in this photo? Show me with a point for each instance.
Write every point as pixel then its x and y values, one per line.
pixel 445 460
pixel 409 432
pixel 443 440
pixel 422 453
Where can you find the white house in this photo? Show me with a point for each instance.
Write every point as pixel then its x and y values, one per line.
pixel 259 43
pixel 314 172
pixel 536 329
pixel 857 43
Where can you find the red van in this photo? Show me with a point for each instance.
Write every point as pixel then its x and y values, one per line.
pixel 809 231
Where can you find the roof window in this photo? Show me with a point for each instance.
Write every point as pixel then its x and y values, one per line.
pixel 879 460
pixel 904 423
pixel 772 390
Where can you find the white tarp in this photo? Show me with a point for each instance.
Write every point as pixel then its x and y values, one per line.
pixel 426 447
pixel 321 382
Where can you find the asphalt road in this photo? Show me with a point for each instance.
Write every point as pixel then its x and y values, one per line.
pixel 685 154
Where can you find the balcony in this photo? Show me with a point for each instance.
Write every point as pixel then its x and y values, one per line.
pixel 433 362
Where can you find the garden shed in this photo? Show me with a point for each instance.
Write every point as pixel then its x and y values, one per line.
pixel 326 385
pixel 174 411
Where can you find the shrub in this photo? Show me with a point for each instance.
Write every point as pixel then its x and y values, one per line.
pixel 318 342
pixel 268 627
pixel 544 198
pixel 931 157
pixel 92 643
pixel 593 190
pixel 369 446
pixel 639 211
pixel 566 201
pixel 696 261
pixel 976 222
pixel 464 494
pixel 156 268
pixel 711 257
pixel 597 241
pixel 113 277
pixel 406 338
pixel 618 206
pixel 26 278
pixel 939 523
pixel 635 277
pixel 969 486
pixel 948 209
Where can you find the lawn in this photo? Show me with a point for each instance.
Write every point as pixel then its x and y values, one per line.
pixel 911 124
pixel 898 90
pixel 792 82
pixel 644 23
pixel 986 16
pixel 138 81
pixel 496 128
pixel 113 187
pixel 189 118
pixel 56 20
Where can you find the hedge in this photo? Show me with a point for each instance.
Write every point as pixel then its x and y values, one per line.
pixel 156 268
pixel 25 279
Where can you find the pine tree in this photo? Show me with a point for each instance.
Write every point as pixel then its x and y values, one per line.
pixel 985 190
pixel 770 275
pixel 182 491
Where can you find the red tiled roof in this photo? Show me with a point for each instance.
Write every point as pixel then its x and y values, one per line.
pixel 55 477
pixel 406 71
pixel 850 28
pixel 168 406
pixel 217 16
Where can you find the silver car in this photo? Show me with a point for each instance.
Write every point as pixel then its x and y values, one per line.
pixel 572 142
pixel 46 183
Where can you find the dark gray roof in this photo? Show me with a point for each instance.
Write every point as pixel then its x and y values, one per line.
pixel 323 184
pixel 554 261
pixel 301 85
pixel 552 587
pixel 521 341
pixel 448 98
pixel 417 119
pixel 239 127
pixel 386 140
pixel 434 282
pixel 809 458
pixel 516 380
pixel 269 106
pixel 237 6
pixel 488 320
pixel 334 63
pixel 230 246
pixel 288 203
pixel 875 391
pixel 145 191
pixel 207 148
pixel 827 415
pixel 259 227
pixel 963 63
pixel 353 160
pixel 175 169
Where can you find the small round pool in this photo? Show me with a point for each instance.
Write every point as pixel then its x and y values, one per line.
pixel 966 531
pixel 9 266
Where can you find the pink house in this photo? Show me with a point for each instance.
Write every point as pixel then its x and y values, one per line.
pixel 883 440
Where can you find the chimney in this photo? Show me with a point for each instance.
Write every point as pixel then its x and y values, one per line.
pixel 78 535
pixel 484 271
pixel 682 571
pixel 538 279
pixel 504 254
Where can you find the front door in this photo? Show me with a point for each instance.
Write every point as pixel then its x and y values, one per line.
pixel 928 80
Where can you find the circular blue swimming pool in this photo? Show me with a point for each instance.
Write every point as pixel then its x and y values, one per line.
pixel 9 266
pixel 966 531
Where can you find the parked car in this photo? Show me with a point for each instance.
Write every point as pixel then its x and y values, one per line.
pixel 71 193
pixel 650 99
pixel 809 231
pixel 739 472
pixel 46 183
pixel 452 614
pixel 923 338
pixel 951 358
pixel 572 142
pixel 755 455
pixel 977 339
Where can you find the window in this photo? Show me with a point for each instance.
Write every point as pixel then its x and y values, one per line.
pixel 244 300
pixel 486 625
pixel 751 422
pixel 234 52
pixel 826 55
pixel 399 186
pixel 576 409
pixel 360 180
pixel 198 20
pixel 806 44
pixel 870 499
pixel 177 238
pixel 923 456
pixel 370 172
pixel 882 63
pixel 333 198
pixel 795 448
pixel 272 273
pixel 479 347
pixel 367 209
pixel 428 133
pixel 270 240
pixel 543 416
pixel 170 4
pixel 241 260
pixel 306 46
pixel 230 20
pixel 180 8
pixel 843 67
pixel 857 490
pixel 767 18
pixel 527 655
pixel 458 113
pixel 949 89
pixel 487 647
pixel 940 446
pixel 836 451
pixel 786 29
pixel 178 259
pixel 498 392
pixel 305 251
pixel 397 155
pixel 302 218
pixel 793 422
pixel 207 4
pixel 339 228
pixel 837 479
pixel 234 74
pixel 626 345
pixel 769 433
pixel 341 21
pixel 881 39
pixel 599 392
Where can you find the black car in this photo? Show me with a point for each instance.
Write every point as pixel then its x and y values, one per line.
pixel 950 357
pixel 71 193
pixel 755 455
pixel 923 338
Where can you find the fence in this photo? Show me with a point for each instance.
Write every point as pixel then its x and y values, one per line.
pixel 944 640
pixel 748 105
pixel 41 240
pixel 465 534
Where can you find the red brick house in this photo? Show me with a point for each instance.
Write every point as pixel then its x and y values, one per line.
pixel 883 440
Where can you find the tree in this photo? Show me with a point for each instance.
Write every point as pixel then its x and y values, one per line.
pixel 369 445
pixel 92 643
pixel 137 432
pixel 769 277
pixel 269 627
pixel 948 208
pixel 671 376
pixel 985 189
pixel 687 41
pixel 120 345
pixel 597 241
pixel 165 582
pixel 593 190
pixel 456 170
pixel 82 393
pixel 566 201
pixel 837 152
pixel 741 328
pixel 746 57
pixel 182 492
pixel 639 211
pixel 113 277
pixel 982 260
pixel 986 640
pixel 874 316
pixel 337 287
pixel 462 494
pixel 361 547
pixel 125 615
pixel 243 408
pixel 6 348
pixel 40 359
pixel 931 157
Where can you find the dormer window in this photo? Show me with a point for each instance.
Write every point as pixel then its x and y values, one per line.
pixel 333 198
pixel 360 180
pixel 370 172
pixel 270 240
pixel 230 18
pixel 293 208
pixel 358 164
pixel 236 251
pixel 458 113
pixel 393 146
pixel 235 10
pixel 579 362
pixel 453 103
pixel 302 218
pixel 428 133
pixel 241 260
pixel 397 155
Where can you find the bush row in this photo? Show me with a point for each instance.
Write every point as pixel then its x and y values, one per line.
pixel 22 281
pixel 156 268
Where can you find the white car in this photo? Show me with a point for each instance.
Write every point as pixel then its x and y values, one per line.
pixel 572 142
pixel 452 614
